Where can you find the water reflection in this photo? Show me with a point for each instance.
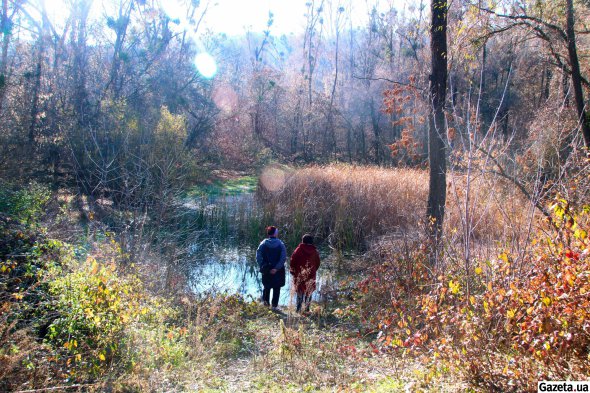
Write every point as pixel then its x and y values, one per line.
pixel 229 265
pixel 226 269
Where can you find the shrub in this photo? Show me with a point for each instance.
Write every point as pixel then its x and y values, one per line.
pixel 94 306
pixel 514 320
pixel 25 205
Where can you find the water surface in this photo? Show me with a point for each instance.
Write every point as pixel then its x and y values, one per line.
pixel 219 260
pixel 233 270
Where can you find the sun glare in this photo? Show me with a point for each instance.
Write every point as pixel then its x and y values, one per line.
pixel 206 65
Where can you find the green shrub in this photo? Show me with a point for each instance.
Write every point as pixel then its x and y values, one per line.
pixel 94 306
pixel 26 205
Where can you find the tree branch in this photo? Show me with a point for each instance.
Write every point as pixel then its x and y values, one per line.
pixel 540 21
pixel 501 172
pixel 390 81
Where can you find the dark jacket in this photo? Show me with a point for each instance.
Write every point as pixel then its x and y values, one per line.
pixel 271 254
pixel 305 262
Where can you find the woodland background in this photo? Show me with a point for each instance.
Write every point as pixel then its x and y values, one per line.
pixel 107 126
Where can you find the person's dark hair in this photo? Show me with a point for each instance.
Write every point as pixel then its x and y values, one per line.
pixel 307 239
pixel 271 230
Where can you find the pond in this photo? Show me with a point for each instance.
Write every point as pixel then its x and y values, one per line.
pixel 233 270
pixel 227 264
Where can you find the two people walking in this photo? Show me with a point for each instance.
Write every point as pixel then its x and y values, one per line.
pixel 305 261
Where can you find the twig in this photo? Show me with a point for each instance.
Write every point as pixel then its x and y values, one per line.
pixel 501 172
pixel 51 389
pixel 390 81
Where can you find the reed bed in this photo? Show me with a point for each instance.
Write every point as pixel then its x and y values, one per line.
pixel 348 206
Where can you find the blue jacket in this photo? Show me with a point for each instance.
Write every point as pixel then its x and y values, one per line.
pixel 272 254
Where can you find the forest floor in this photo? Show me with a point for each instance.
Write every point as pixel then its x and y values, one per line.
pixel 289 352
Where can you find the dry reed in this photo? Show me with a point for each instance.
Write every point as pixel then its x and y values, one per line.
pixel 349 205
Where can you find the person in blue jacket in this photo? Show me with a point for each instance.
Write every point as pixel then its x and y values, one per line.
pixel 271 255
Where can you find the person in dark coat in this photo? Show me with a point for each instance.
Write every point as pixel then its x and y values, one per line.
pixel 305 262
pixel 271 255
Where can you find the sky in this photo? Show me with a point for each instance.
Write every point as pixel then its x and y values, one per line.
pixel 234 17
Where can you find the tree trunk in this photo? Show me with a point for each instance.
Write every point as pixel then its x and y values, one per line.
pixel 376 132
pixel 576 75
pixel 122 23
pixel 329 133
pixel 4 27
pixel 35 96
pixel 437 133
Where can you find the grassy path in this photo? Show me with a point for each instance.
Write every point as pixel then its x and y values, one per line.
pixel 292 353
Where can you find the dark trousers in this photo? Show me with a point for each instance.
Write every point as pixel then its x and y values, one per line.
pixel 276 292
pixel 303 297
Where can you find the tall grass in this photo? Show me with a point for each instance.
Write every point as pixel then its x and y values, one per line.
pixel 226 218
pixel 348 206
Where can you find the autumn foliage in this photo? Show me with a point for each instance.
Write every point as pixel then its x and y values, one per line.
pixel 510 322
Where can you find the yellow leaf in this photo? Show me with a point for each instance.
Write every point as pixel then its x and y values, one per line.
pixel 530 310
pixel 546 301
pixel 472 299
pixel 511 314
pixel 581 234
pixel 102 357
pixel 478 270
pixel 547 345
pixel 94 267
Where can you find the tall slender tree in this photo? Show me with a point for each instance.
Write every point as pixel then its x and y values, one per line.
pixel 576 74
pixel 437 133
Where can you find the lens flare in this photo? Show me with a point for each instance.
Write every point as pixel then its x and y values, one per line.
pixel 225 98
pixel 273 178
pixel 206 65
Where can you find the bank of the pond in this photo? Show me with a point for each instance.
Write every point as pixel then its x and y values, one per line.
pixel 218 268
pixel 220 257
